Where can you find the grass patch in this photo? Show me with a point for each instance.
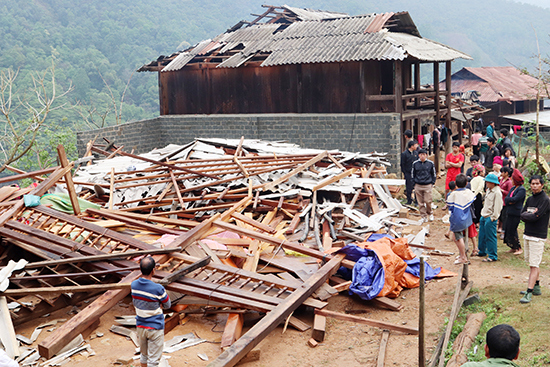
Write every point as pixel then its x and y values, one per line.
pixel 501 305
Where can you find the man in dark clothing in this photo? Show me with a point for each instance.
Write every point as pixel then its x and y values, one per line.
pixel 424 176
pixel 505 142
pixel 407 159
pixel 535 214
pixel 491 153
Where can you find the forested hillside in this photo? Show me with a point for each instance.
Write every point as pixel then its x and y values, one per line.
pixel 98 44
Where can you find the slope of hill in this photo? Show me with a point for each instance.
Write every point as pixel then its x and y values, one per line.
pixel 98 44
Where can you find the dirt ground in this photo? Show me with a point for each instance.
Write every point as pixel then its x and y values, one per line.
pixel 346 343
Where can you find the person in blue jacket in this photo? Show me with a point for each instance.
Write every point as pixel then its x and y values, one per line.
pixel 459 202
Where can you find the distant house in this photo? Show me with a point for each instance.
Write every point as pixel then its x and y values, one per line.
pixel 506 91
pixel 291 60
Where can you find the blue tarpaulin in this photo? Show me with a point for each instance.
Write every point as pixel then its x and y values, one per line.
pixel 367 276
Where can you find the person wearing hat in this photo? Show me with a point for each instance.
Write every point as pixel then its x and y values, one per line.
pixel 497 165
pixel 487 241
pixel 424 176
pixel 535 214
pixel 514 204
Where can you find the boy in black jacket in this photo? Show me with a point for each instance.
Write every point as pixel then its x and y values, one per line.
pixel 535 214
pixel 424 176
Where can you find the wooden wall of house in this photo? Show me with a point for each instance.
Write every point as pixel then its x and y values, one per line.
pixel 305 88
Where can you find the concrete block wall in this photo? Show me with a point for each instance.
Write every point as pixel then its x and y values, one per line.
pixel 351 132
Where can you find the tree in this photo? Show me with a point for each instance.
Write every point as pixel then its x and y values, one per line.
pixel 24 113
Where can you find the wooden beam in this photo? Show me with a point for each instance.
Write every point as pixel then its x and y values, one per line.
pixel 254 223
pixel 333 179
pixel 319 326
pixel 382 350
pixel 261 329
pixel 65 289
pixel 297 170
pixel 365 321
pixel 233 329
pixel 81 321
pixel 121 255
pixel 276 241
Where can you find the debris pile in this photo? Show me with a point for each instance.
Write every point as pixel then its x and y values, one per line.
pixel 243 225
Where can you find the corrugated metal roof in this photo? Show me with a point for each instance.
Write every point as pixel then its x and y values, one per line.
pixel 182 59
pixel 425 49
pixel 336 39
pixel 309 14
pixel 495 83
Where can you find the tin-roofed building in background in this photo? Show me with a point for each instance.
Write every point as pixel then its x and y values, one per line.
pixel 510 94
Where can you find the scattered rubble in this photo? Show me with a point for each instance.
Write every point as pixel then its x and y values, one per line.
pixel 245 226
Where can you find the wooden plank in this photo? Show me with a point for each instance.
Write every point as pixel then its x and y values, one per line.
pixel 7 332
pixel 185 270
pixel 253 223
pixel 68 179
pixel 388 303
pixel 261 329
pixel 233 329
pixel 23 174
pixel 276 241
pixel 64 289
pixel 297 170
pixel 112 189
pixel 121 255
pixel 338 164
pixel 176 188
pixel 39 190
pixel 382 350
pixel 319 326
pixel 81 321
pixel 251 262
pixel 333 179
pixel 133 222
pixel 365 321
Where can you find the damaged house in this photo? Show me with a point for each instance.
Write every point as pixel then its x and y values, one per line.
pixel 318 79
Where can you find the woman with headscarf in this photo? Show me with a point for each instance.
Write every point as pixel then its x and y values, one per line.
pixel 514 204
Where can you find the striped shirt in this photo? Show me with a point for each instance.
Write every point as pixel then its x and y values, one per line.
pixel 148 298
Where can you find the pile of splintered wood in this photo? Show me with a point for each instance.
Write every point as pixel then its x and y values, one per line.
pixel 223 219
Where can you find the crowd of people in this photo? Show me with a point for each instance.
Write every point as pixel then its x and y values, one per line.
pixel 487 202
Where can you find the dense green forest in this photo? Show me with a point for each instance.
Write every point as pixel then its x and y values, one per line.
pixel 97 45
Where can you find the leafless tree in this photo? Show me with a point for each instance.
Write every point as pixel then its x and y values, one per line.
pixel 22 117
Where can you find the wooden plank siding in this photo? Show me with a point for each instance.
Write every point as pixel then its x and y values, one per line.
pixel 303 88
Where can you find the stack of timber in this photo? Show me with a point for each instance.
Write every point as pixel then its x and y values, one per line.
pixel 222 218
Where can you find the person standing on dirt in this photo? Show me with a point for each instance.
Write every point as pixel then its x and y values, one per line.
pixel 514 204
pixel 424 176
pixel 453 162
pixel 407 159
pixel 535 215
pixel 149 298
pixel 501 348
pixel 459 202
pixel 490 154
pixel 487 241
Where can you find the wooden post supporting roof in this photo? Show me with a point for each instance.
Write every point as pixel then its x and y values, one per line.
pixel 448 91
pixel 398 93
pixel 437 116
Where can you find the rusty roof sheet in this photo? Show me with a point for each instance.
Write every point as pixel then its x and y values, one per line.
pixel 494 84
pixel 329 37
